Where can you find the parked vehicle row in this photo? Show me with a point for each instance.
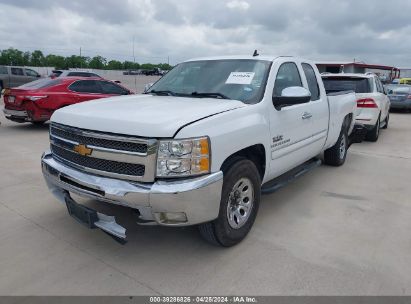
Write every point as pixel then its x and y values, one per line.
pixel 400 96
pixel 373 104
pixel 36 101
pixel 201 145
pixel 11 76
pixel 147 72
pixel 73 73
pixel 402 81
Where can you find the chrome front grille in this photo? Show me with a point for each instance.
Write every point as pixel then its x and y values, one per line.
pixel 99 142
pixel 97 163
pixel 117 156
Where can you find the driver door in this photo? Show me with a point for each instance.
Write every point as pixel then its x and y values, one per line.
pixel 291 126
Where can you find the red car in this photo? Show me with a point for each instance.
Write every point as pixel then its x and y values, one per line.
pixel 36 101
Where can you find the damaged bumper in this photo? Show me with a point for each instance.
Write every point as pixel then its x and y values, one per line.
pixel 16 115
pixel 168 202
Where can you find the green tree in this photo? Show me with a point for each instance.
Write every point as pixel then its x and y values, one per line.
pixel 114 65
pixel 75 61
pixel 128 65
pixel 37 58
pixel 26 58
pixel 97 62
pixel 55 61
pixel 164 66
pixel 11 56
pixel 148 66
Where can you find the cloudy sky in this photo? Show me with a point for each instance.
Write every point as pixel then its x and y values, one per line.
pixel 374 31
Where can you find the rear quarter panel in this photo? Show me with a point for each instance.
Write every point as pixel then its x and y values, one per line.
pixel 341 105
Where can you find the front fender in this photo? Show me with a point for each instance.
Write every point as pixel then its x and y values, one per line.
pixel 231 132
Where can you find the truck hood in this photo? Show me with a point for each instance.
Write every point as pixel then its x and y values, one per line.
pixel 142 115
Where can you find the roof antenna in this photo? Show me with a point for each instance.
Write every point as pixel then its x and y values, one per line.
pixel 255 53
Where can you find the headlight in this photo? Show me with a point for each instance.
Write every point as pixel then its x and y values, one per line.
pixel 185 157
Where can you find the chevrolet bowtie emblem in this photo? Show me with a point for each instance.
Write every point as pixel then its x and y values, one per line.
pixel 82 150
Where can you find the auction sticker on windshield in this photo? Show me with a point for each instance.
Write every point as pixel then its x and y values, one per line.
pixel 240 78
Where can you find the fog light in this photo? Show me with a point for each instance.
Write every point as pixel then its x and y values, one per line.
pixel 171 217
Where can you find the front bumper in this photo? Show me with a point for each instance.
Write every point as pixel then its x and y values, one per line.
pixel 167 202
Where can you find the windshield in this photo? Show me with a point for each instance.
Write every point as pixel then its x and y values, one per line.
pixel 242 80
pixel 356 84
pixel 40 84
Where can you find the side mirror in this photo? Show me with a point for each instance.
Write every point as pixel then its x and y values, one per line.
pixel 148 86
pixel 291 96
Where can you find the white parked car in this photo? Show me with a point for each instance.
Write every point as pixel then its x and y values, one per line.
pixel 373 104
pixel 200 146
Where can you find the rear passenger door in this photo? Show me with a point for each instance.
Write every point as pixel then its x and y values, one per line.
pixel 318 107
pixel 382 99
pixel 17 77
pixel 84 90
pixel 112 89
pixel 31 75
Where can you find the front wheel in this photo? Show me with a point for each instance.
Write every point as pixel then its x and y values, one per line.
pixel 240 199
pixel 336 155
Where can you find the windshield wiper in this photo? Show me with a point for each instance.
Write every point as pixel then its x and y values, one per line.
pixel 212 95
pixel 163 93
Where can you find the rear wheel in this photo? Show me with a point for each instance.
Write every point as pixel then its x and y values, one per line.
pixel 38 123
pixel 374 133
pixel 240 199
pixel 336 155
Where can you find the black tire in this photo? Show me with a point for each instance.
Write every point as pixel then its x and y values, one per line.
pixel 387 119
pixel 220 231
pixel 374 133
pixel 336 155
pixel 38 123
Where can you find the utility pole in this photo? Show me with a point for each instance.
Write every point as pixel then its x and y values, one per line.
pixel 81 60
pixel 134 61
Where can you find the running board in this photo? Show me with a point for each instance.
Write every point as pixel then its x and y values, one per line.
pixel 286 178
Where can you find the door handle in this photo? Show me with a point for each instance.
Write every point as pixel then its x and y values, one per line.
pixel 306 115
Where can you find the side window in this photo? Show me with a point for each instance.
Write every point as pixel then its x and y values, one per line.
pixel 287 76
pixel 111 88
pixel 380 86
pixel 3 70
pixel 312 81
pixel 85 86
pixel 17 71
pixel 31 73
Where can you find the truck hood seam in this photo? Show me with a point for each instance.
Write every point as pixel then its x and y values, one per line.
pixel 194 121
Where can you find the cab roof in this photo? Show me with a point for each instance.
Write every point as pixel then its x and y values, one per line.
pixel 249 57
pixel 351 75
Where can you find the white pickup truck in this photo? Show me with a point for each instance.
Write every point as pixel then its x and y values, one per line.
pixel 200 146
